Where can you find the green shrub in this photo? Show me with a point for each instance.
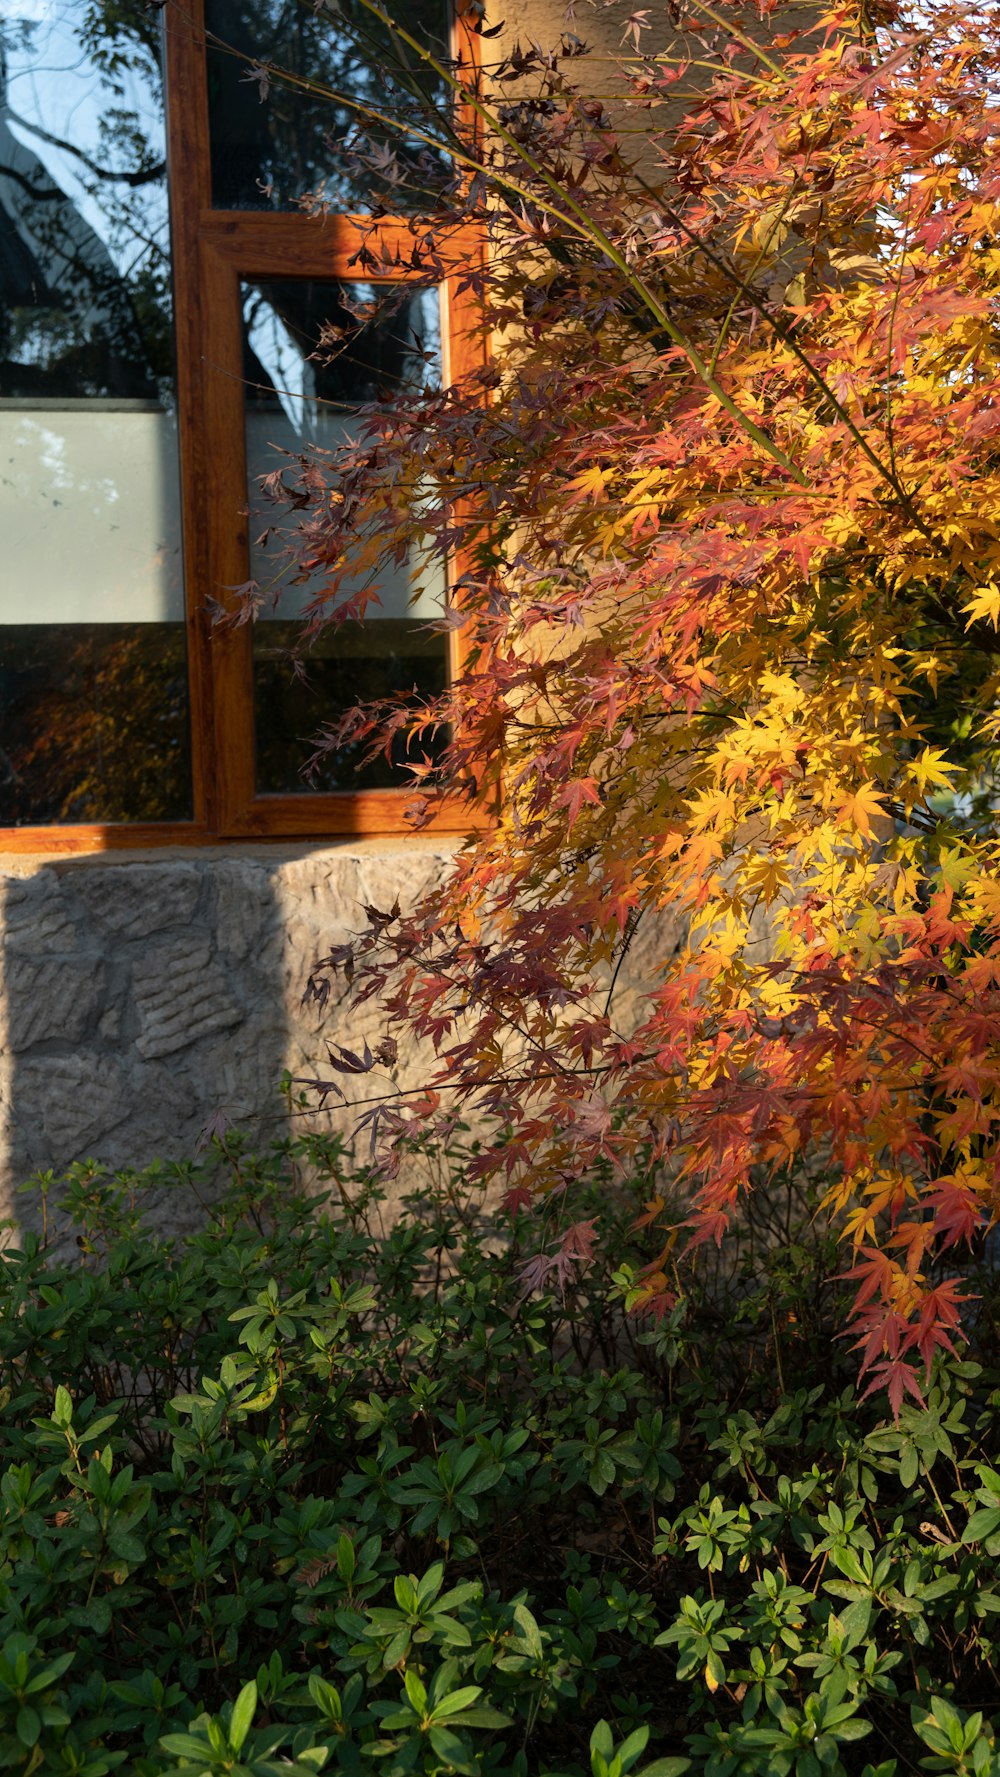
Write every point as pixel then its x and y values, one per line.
pixel 301 1493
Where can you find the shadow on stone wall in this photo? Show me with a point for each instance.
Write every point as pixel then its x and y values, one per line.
pixel 145 996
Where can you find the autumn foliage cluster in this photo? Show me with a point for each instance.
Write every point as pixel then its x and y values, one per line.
pixel 722 505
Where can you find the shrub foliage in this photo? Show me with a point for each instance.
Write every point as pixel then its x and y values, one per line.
pixel 301 1492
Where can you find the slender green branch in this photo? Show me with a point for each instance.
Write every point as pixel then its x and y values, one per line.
pixel 736 34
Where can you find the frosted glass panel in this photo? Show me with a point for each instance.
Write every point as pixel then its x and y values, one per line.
pixel 93 533
pixel 93 700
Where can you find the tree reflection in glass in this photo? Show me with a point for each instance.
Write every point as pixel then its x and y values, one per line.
pixel 276 142
pixel 93 702
pixel 303 395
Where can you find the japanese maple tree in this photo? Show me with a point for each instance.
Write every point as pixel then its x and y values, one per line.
pixel 724 509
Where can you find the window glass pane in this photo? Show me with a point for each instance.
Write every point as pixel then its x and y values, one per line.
pixel 274 143
pixel 299 393
pixel 93 704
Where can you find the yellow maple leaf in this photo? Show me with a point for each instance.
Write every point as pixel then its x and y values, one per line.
pixel 984 604
pixel 590 483
pixel 929 768
pixel 862 807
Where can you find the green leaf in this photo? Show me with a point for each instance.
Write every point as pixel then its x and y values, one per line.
pixel 29 1725
pixel 482 1715
pixel 244 1710
pixel 852 1730
pixel 448 1747
pixel 714 1669
pixel 185 1746
pixel 346 1559
pixel 98 1427
pixel 856 1618
pixel 848 1563
pixel 53 1671
pixel 602 1740
pixel 126 1547
pixel 632 1748
pixel 416 1690
pixel 529 1629
pixel 458 1700
pixel 430 1585
pixel 982 1524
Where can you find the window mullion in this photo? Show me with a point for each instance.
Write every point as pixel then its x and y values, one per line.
pixel 188 163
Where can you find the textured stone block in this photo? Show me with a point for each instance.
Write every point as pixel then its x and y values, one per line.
pixel 36 917
pixel 145 1042
pixel 169 1106
pixel 147 1038
pixel 246 916
pixel 180 995
pixel 241 1073
pixel 78 1100
pixel 408 876
pixel 134 899
pixel 59 998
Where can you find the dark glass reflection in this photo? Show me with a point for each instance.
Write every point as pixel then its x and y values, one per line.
pixel 310 363
pixel 84 253
pixel 317 350
pixel 93 723
pixel 274 144
pixel 356 662
pixel 93 705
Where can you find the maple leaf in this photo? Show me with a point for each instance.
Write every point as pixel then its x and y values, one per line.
pixel 863 806
pixel 578 1241
pixel 653 1297
pixel 957 1207
pixel 534 1273
pixel 592 1118
pixel 579 793
pixel 215 1130
pixel 634 25
pixel 898 1378
pixel 590 484
pixel 931 770
pixel 517 1198
pixel 983 605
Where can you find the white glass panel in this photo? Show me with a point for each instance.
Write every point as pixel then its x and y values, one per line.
pixel 91 515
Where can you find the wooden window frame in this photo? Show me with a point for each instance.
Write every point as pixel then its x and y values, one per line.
pixel 211 251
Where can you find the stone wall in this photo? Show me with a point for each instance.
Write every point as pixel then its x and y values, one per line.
pixel 145 993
